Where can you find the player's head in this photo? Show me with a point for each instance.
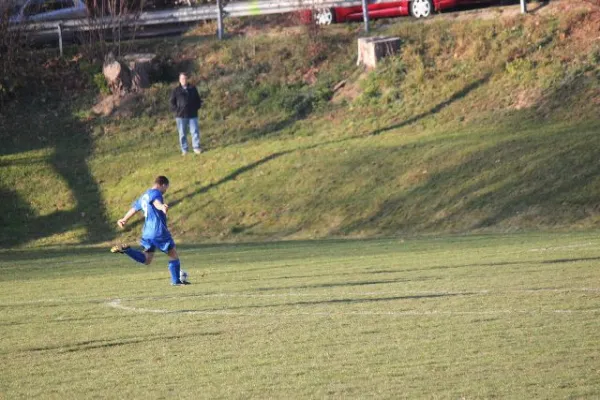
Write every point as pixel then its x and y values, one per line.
pixel 161 183
pixel 183 78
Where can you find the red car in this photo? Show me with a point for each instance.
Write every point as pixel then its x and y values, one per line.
pixel 385 9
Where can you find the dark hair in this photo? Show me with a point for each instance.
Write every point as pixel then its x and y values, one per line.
pixel 184 74
pixel 161 180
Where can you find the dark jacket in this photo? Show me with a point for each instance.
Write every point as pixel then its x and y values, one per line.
pixel 185 102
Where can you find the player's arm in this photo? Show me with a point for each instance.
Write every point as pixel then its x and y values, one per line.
pixel 159 205
pixel 129 214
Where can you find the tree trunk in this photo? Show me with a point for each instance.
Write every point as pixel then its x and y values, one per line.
pixel 372 50
pixel 141 66
pixel 117 75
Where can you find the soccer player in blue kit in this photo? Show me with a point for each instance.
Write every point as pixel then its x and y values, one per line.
pixel 155 234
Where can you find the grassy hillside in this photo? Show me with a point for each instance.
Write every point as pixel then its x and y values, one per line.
pixel 481 124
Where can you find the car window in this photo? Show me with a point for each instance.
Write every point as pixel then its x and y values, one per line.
pixel 44 6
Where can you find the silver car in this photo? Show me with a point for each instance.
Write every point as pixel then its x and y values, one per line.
pixel 49 10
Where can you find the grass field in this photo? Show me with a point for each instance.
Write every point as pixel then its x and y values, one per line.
pixel 511 316
pixel 358 185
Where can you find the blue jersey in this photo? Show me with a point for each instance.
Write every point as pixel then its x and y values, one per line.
pixel 155 224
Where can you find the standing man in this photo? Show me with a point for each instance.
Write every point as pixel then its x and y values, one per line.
pixel 155 234
pixel 185 103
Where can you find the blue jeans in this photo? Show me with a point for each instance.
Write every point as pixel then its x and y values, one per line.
pixel 191 124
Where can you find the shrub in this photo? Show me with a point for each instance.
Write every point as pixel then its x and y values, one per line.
pixel 100 83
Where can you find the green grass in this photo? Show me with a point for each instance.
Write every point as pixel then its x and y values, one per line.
pixel 486 129
pixel 491 316
pixel 476 126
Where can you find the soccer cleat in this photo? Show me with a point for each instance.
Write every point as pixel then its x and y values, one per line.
pixel 119 248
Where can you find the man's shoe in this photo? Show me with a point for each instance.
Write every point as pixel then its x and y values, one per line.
pixel 119 248
pixel 183 153
pixel 178 283
pixel 198 151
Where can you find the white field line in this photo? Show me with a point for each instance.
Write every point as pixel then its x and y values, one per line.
pixel 117 303
pixel 326 295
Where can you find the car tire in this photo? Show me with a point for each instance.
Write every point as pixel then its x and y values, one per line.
pixel 323 16
pixel 421 8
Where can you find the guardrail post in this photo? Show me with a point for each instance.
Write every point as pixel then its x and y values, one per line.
pixel 60 38
pixel 220 29
pixel 524 6
pixel 365 14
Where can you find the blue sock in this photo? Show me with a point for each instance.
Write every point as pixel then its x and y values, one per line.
pixel 136 255
pixel 174 269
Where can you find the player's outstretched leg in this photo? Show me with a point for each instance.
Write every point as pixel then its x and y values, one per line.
pixel 134 254
pixel 174 269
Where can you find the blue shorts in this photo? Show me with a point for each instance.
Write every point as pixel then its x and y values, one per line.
pixel 150 245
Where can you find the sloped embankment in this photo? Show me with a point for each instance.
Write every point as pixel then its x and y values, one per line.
pixel 477 125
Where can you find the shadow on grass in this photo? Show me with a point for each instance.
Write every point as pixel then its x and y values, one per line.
pixel 570 260
pixel 439 107
pixel 49 253
pixel 344 284
pixel 245 135
pixel 28 126
pixel 344 301
pixel 73 252
pixel 99 344
pixel 233 175
pixel 495 264
pixel 405 270
pixel 528 173
pixel 230 177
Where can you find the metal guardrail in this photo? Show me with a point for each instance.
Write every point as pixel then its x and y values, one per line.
pixel 192 14
pixel 183 15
